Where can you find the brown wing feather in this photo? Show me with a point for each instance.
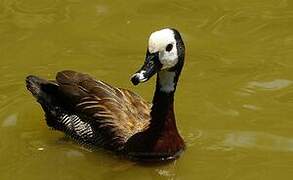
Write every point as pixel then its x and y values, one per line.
pixel 115 113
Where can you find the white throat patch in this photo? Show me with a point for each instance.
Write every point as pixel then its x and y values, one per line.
pixel 166 81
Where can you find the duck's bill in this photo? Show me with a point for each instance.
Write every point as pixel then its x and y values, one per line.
pixel 151 66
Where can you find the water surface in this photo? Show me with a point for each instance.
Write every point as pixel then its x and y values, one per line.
pixel 233 104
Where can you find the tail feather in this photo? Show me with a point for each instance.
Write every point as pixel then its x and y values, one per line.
pixel 33 84
pixel 40 87
pixel 46 94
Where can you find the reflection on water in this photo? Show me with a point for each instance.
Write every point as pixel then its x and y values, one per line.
pixel 237 140
pixel 234 101
pixel 272 85
pixel 246 140
pixel 10 121
pixel 259 141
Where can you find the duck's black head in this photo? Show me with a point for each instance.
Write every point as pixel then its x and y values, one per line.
pixel 165 56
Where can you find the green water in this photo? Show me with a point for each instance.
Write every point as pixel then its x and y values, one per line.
pixel 234 103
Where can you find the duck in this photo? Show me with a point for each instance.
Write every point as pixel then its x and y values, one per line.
pixel 95 113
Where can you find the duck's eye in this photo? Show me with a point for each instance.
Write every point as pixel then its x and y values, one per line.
pixel 169 47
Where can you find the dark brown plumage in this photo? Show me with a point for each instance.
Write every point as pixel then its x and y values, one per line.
pixel 109 110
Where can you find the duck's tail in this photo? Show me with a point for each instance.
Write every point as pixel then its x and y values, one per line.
pixel 45 92
pixel 57 116
pixel 35 85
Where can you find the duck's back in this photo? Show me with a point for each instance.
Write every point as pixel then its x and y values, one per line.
pixel 90 111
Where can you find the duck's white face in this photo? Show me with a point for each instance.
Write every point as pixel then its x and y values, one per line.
pixel 164 43
pixel 165 50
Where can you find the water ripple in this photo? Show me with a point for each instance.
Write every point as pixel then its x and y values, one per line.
pixel 276 84
pixel 30 14
pixel 258 140
pixel 35 7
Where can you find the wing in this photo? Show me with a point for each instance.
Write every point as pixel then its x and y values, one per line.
pixel 114 114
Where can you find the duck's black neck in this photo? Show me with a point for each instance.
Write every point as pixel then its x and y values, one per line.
pixel 162 114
